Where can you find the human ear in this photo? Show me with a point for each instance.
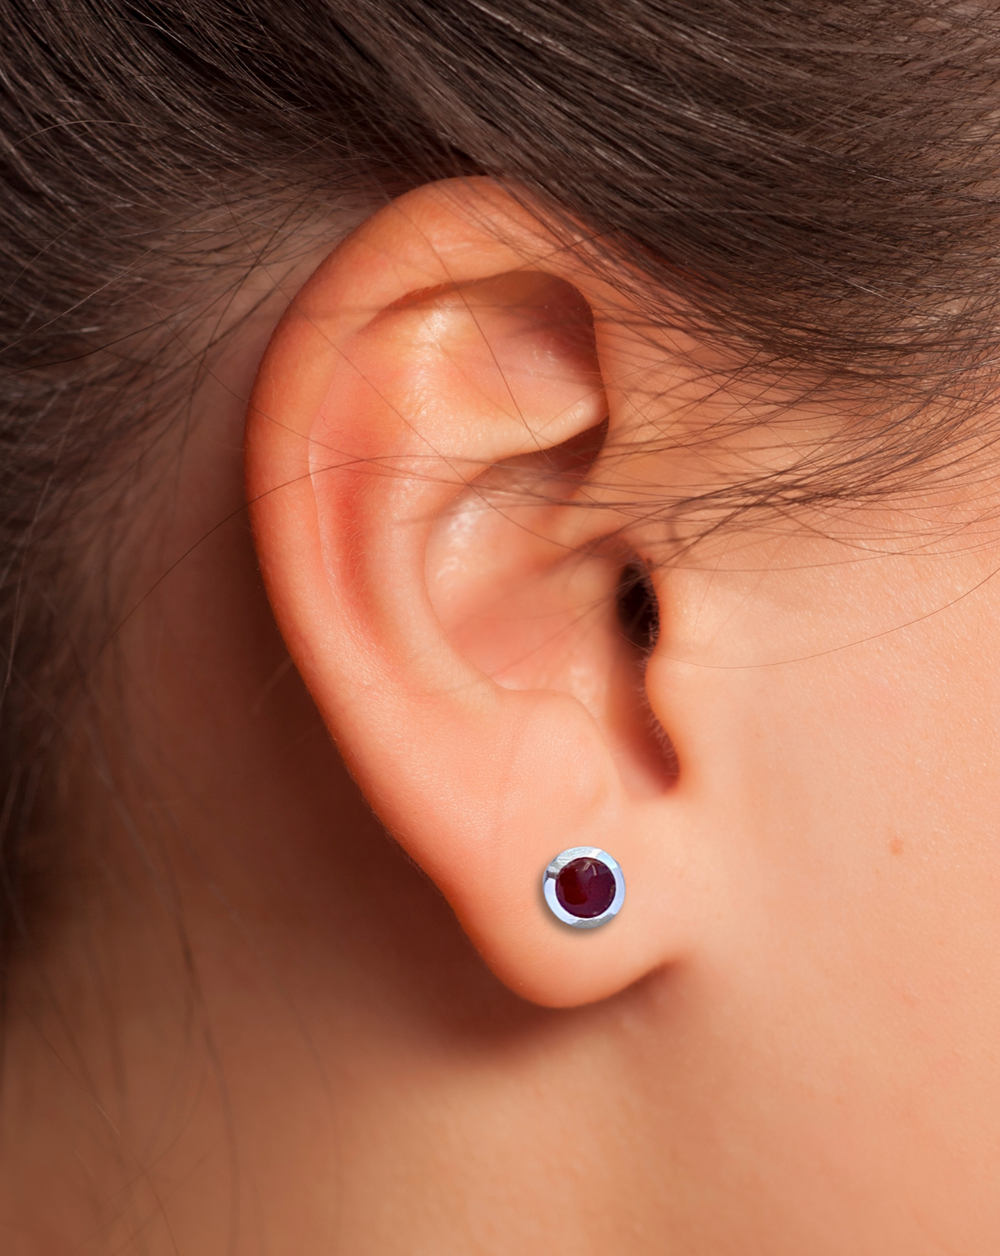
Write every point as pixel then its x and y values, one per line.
pixel 419 443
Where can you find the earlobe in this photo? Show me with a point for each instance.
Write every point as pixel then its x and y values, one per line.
pixel 421 429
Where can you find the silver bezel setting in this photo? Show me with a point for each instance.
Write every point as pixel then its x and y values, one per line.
pixel 560 862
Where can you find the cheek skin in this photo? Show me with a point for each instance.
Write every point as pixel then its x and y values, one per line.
pixel 850 799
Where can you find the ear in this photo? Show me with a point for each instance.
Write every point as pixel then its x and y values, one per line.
pixel 420 444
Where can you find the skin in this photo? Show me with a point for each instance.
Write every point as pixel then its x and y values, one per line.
pixel 255 1022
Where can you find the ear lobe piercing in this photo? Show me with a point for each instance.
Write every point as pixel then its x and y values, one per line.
pixel 584 887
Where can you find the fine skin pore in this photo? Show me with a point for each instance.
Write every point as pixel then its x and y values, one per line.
pixel 258 1026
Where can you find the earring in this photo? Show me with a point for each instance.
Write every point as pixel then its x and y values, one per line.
pixel 584 887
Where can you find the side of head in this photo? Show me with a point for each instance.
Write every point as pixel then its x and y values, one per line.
pixel 616 431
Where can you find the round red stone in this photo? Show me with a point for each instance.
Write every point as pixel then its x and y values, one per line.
pixel 585 888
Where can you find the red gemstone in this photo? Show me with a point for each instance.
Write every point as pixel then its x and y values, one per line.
pixel 586 888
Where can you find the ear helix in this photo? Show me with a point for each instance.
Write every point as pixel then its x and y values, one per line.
pixel 455 619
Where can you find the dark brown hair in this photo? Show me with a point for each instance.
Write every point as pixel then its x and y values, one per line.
pixel 816 181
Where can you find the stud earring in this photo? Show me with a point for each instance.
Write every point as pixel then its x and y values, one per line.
pixel 584 887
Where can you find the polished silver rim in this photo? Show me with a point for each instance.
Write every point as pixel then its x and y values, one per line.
pixel 560 862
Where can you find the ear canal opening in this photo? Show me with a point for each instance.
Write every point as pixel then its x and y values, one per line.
pixel 637 607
